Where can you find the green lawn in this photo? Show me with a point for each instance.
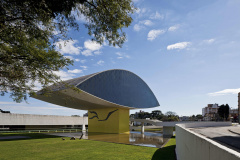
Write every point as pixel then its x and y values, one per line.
pixel 167 152
pixel 42 146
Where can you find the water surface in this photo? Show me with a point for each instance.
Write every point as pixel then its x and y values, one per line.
pixel 148 139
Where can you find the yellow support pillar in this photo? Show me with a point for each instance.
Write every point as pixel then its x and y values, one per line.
pixel 108 120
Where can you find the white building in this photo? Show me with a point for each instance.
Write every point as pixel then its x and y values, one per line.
pixel 210 112
pixel 13 121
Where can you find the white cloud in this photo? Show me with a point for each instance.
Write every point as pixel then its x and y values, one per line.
pixel 81 18
pixel 137 27
pixel 92 45
pixel 84 67
pixel 101 62
pixel 180 45
pixel 68 47
pixel 75 71
pixel 37 86
pixel 154 34
pixel 64 75
pixel 141 24
pixel 174 28
pixel 56 32
pixel 87 52
pixel 69 57
pixel 135 1
pixel 97 52
pixel 209 41
pixel 225 92
pixel 156 16
pixel 122 55
pixel 23 109
pixel 147 22
pixel 119 53
pixel 140 12
pixel 83 60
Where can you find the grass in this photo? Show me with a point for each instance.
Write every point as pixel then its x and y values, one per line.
pixel 41 146
pixel 167 152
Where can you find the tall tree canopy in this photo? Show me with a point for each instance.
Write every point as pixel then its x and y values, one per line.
pixel 27 28
pixel 223 111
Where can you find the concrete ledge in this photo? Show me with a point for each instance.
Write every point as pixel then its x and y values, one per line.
pixel 167 131
pixel 190 145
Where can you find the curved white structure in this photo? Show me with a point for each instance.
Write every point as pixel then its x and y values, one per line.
pixel 112 88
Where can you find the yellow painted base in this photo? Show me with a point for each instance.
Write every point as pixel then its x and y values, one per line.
pixel 108 120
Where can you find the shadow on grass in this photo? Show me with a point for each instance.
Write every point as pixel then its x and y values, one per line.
pixel 165 153
pixel 27 135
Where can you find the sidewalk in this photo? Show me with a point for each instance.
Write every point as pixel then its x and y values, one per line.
pixel 235 129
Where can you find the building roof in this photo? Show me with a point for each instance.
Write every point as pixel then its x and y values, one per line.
pixel 110 88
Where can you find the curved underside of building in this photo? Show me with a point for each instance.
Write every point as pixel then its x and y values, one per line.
pixel 111 88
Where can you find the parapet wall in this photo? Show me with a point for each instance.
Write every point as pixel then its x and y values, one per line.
pixel 31 119
pixel 192 146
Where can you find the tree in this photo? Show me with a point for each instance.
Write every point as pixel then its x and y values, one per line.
pixel 199 117
pixel 170 113
pixel 223 111
pixel 170 116
pixel 156 113
pixel 27 37
pixel 193 118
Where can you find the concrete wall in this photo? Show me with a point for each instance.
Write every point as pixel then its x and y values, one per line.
pixel 190 145
pixel 160 123
pixel 31 119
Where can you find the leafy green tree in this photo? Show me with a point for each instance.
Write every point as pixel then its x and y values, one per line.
pixel 156 114
pixel 170 113
pixel 170 116
pixel 28 34
pixel 223 111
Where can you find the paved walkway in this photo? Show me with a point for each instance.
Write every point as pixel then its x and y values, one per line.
pixel 227 136
pixel 235 130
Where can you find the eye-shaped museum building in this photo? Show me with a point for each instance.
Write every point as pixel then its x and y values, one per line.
pixel 108 96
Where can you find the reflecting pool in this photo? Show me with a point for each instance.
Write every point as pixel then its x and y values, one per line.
pixel 148 139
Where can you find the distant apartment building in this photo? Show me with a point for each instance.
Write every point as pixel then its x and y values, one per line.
pixel 210 112
pixel 233 114
pixel 184 118
pixel 239 107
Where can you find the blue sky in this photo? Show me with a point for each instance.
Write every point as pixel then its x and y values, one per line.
pixel 186 51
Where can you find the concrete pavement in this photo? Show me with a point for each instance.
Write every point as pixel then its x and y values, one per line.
pixel 228 136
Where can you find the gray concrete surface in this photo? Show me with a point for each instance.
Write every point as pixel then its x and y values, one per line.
pixel 228 136
pixel 32 119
